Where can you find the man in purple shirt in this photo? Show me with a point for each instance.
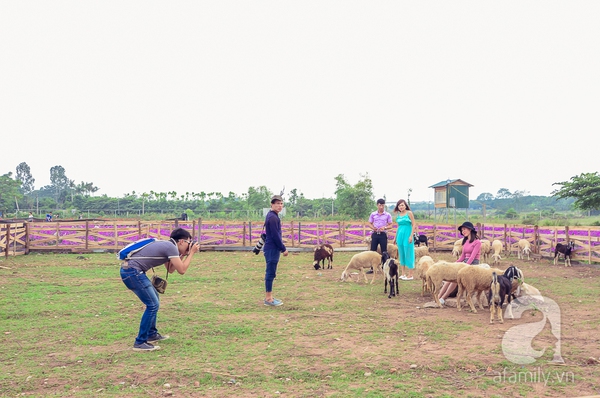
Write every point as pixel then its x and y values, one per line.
pixel 379 221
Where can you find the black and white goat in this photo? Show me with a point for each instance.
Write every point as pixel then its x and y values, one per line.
pixel 499 289
pixel 390 272
pixel 322 253
pixel 566 251
pixel 418 239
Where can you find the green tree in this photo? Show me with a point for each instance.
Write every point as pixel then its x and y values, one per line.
pixel 10 192
pixel 258 197
pixel 59 182
pixel 485 197
pixel 24 176
pixel 584 188
pixel 354 201
pixel 503 193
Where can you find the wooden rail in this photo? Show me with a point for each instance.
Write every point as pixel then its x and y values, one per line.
pixel 112 235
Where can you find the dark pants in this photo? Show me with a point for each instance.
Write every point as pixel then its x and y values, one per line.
pixel 379 239
pixel 272 259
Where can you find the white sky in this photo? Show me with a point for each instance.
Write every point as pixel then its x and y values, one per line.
pixel 217 96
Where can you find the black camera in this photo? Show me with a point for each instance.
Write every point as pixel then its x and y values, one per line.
pixel 260 243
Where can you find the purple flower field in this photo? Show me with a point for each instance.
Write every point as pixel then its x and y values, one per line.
pixel 115 235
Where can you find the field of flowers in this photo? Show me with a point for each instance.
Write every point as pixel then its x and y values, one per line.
pixel 111 235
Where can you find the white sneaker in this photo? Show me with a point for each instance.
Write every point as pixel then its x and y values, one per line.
pixel 403 277
pixel 442 301
pixel 408 279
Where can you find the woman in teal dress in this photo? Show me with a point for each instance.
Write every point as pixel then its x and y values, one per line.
pixel 404 239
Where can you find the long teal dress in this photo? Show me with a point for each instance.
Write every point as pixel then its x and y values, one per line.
pixel 406 250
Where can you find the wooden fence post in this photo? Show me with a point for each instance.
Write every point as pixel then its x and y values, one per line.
pixel 199 231
pixel 7 240
pixel 292 232
pixel 244 234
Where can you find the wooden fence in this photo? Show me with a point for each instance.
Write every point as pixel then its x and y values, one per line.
pixel 111 235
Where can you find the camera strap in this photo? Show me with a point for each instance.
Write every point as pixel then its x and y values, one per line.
pixel 154 273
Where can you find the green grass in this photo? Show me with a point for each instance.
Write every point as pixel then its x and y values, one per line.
pixel 68 323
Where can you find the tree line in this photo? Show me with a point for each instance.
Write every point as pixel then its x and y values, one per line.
pixel 350 202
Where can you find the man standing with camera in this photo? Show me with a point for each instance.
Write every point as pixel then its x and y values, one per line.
pixel 379 221
pixel 273 248
pixel 171 253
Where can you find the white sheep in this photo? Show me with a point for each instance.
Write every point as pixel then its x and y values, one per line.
pixel 439 272
pixel 421 270
pixel 524 249
pixel 497 248
pixel 421 251
pixel 476 280
pixel 484 252
pixel 392 249
pixel 363 261
pixel 473 281
pixel 457 249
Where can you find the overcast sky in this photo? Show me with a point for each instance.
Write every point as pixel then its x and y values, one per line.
pixel 218 96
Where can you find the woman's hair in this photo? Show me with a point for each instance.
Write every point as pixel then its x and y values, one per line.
pixel 180 233
pixel 396 210
pixel 472 236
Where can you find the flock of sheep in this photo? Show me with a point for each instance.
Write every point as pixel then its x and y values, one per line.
pixel 484 283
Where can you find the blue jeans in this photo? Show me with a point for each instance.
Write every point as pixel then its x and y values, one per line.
pixel 138 283
pixel 272 259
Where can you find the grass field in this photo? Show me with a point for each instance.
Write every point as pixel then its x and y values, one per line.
pixel 68 325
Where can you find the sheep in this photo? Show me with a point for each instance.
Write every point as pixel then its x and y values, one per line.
pixel 497 248
pixel 499 289
pixel 390 271
pixel 473 281
pixel 484 252
pixel 457 249
pixel 392 249
pixel 322 253
pixel 439 272
pixel 524 248
pixel 421 251
pixel 418 239
pixel 362 261
pixel 421 269
pixel 566 251
pixel 477 279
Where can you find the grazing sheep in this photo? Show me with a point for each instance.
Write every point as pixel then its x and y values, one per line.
pixel 527 290
pixel 566 251
pixel 364 261
pixel 421 270
pixel 457 249
pixel 439 272
pixel 524 248
pixel 499 289
pixel 390 271
pixel 421 251
pixel 484 252
pixel 418 239
pixel 497 248
pixel 473 281
pixel 322 253
pixel 392 249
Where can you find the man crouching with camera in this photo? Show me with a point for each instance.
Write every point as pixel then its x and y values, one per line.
pixel 273 248
pixel 176 255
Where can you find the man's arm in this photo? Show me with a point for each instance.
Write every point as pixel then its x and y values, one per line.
pixel 181 265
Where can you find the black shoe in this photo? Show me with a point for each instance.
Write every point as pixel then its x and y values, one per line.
pixel 157 337
pixel 369 271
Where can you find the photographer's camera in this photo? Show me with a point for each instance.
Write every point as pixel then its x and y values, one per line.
pixel 260 244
